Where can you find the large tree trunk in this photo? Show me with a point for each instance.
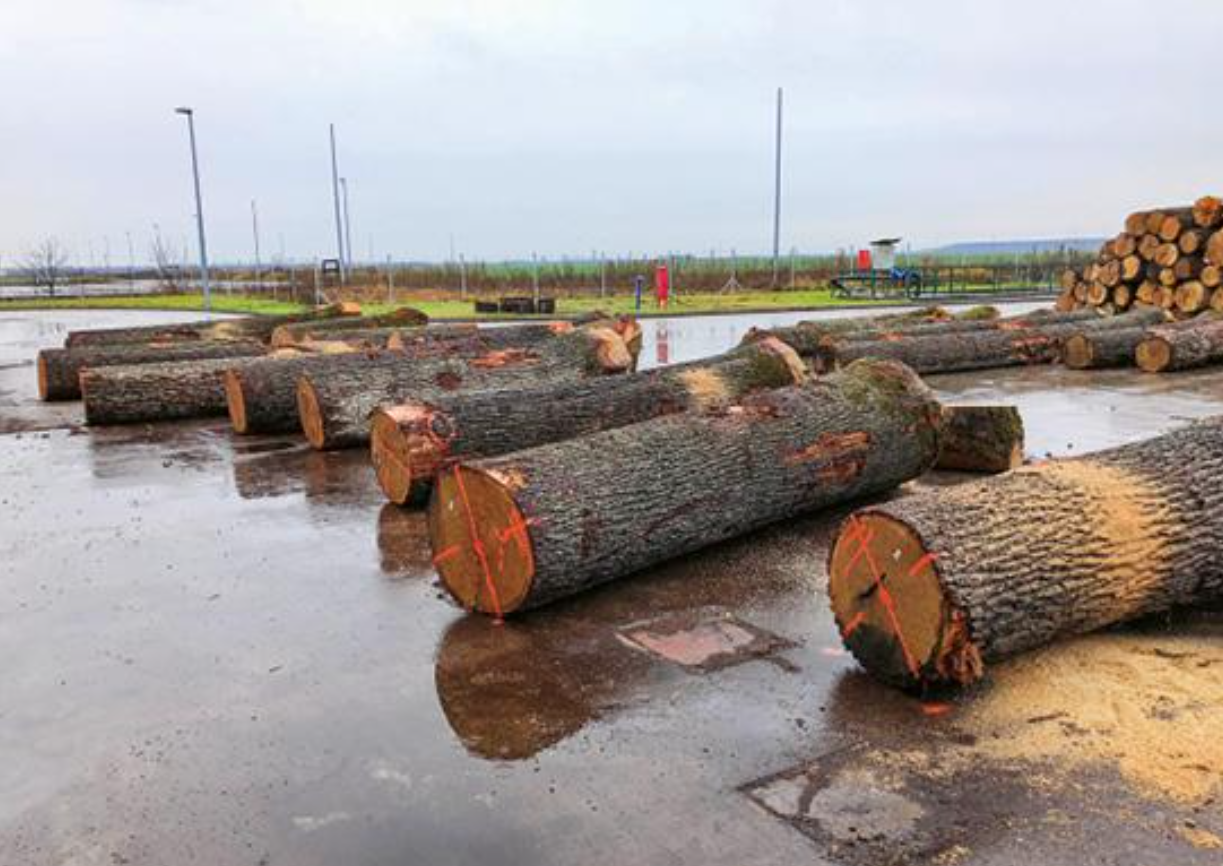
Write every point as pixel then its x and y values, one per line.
pixel 804 336
pixel 947 353
pixel 1198 343
pixel 335 404
pixel 929 588
pixel 288 335
pixel 1102 349
pixel 412 442
pixel 980 439
pixel 248 327
pixel 157 392
pixel 59 370
pixel 262 397
pixel 518 531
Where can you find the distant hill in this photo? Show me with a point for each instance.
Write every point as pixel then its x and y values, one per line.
pixel 1008 248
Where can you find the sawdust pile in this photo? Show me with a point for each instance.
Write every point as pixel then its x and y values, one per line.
pixel 1152 706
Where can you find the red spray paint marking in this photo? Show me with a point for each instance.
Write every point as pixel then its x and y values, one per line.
pixel 863 537
pixel 477 545
pixel 859 618
pixel 922 563
pixel 446 554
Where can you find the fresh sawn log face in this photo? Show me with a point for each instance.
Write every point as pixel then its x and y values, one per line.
pixel 929 589
pixel 410 443
pixel 517 531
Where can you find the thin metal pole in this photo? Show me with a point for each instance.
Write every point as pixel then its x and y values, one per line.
pixel 462 277
pixel 335 195
pixel 390 281
pixel 347 221
pixel 255 230
pixel 777 192
pixel 535 279
pixel 131 261
pixel 199 210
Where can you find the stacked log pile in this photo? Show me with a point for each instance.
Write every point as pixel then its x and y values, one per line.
pixel 1170 258
pixel 929 589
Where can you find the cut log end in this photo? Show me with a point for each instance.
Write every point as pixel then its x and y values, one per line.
pixel 612 354
pixel 44 384
pixel 1153 355
pixel 235 401
pixel 311 414
pixel 891 609
pixel 1077 352
pixel 408 445
pixel 482 545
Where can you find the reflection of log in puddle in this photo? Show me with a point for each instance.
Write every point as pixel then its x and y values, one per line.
pixel 271 469
pixel 403 542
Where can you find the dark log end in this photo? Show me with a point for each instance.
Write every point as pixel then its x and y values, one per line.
pixel 891 609
pixel 482 546
pixel 408 445
pixel 235 401
pixel 1153 355
pixel 981 439
pixel 311 414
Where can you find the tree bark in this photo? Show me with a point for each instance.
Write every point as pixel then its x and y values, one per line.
pixel 1197 343
pixel 157 392
pixel 948 353
pixel 518 531
pixel 1104 349
pixel 929 589
pixel 262 398
pixel 805 336
pixel 59 370
pixel 285 336
pixel 335 404
pixel 980 439
pixel 249 327
pixel 410 443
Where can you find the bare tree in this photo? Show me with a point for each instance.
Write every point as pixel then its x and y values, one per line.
pixel 45 263
pixel 169 267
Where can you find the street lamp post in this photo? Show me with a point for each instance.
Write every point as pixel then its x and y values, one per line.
pixel 199 208
pixel 335 196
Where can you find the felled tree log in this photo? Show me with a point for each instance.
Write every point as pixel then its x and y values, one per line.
pixel 262 398
pixel 288 335
pixel 1208 211
pixel 980 439
pixel 411 443
pixel 59 370
pixel 157 392
pixel 1096 351
pixel 929 589
pixel 804 336
pixel 334 404
pixel 1198 343
pixel 248 327
pixel 979 350
pixel 518 531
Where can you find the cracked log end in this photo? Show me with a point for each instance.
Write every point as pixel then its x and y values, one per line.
pixel 311 414
pixel 408 445
pixel 890 607
pixel 235 401
pixel 481 541
pixel 44 388
pixel 1153 355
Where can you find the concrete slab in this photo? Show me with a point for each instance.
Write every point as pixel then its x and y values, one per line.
pixel 231 651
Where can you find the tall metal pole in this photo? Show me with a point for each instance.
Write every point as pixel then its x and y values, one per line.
pixel 199 208
pixel 347 220
pixel 131 261
pixel 255 231
pixel 335 195
pixel 777 193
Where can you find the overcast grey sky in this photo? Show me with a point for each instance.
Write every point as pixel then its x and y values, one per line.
pixel 563 127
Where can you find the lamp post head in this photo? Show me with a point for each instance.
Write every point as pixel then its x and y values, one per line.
pixel 186 111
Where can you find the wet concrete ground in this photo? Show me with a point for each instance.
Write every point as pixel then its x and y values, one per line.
pixel 230 651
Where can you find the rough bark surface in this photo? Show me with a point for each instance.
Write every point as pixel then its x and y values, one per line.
pixel 805 336
pixel 980 439
pixel 978 350
pixel 335 404
pixel 1198 343
pixel 288 335
pixel 411 443
pixel 1103 349
pixel 930 588
pixel 59 370
pixel 157 392
pixel 518 531
pixel 250 327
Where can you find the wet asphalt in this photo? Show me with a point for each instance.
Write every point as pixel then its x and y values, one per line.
pixel 222 650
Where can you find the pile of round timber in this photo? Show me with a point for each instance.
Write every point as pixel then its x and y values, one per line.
pixel 520 530
pixel 335 403
pixel 411 442
pixel 930 588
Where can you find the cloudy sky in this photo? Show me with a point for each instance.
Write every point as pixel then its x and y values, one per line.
pixel 563 127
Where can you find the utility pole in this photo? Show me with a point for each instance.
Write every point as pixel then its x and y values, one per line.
pixel 335 195
pixel 347 222
pixel 199 208
pixel 255 232
pixel 131 261
pixel 777 193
